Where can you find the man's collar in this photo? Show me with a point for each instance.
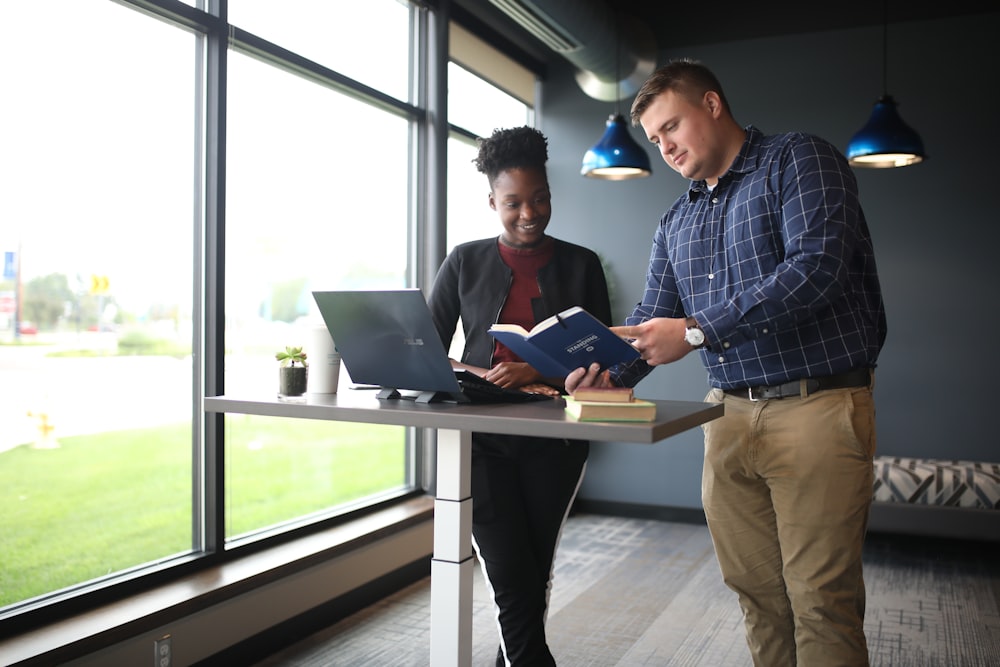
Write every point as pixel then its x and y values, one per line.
pixel 746 160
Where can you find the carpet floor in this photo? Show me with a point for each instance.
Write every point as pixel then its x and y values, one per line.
pixel 633 592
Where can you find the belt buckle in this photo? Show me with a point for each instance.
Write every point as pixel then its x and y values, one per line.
pixel 750 395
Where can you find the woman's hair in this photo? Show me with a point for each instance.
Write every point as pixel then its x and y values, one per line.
pixel 514 148
pixel 685 77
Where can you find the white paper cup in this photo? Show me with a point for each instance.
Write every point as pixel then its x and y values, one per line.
pixel 324 362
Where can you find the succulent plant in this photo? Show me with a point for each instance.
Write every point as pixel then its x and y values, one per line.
pixel 291 356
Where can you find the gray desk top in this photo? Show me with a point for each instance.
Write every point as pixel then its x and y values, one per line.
pixel 543 418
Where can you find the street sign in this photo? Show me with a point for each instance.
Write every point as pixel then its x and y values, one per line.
pixel 7 303
pixel 9 265
pixel 99 284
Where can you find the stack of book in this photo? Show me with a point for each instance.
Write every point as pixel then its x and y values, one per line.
pixel 611 404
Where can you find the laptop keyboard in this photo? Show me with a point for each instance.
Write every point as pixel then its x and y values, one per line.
pixel 480 390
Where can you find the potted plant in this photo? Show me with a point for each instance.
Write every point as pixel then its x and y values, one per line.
pixel 293 372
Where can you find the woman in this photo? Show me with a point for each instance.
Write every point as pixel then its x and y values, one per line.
pixel 522 487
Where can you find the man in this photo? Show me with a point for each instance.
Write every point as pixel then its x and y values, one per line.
pixel 765 265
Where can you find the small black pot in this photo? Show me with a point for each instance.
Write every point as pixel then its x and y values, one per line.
pixel 292 380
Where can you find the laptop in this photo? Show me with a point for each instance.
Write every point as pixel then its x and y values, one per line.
pixel 387 338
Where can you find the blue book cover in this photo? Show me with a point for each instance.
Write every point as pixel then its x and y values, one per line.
pixel 564 342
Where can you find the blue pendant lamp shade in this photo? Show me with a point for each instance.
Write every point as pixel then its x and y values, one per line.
pixel 885 141
pixel 616 157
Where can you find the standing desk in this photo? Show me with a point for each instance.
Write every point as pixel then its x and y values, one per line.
pixel 453 562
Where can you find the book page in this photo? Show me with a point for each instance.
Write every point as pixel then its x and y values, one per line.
pixel 539 327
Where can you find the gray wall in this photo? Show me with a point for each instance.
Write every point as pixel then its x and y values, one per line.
pixel 935 227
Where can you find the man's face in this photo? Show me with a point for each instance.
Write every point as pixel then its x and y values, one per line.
pixel 687 134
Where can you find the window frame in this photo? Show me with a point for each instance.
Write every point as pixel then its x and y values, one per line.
pixel 430 130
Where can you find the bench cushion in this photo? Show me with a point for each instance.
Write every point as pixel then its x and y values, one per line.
pixel 936 482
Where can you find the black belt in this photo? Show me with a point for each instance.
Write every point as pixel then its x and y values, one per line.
pixel 860 377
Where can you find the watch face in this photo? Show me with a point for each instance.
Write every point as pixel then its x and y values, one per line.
pixel 694 337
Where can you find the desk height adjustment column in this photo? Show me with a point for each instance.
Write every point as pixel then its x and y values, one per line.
pixel 453 564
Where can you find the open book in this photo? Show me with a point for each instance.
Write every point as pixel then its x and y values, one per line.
pixel 557 346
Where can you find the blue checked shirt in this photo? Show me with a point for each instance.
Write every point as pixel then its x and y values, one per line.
pixel 775 263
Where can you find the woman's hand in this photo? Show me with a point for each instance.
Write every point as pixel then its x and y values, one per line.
pixel 512 375
pixel 540 388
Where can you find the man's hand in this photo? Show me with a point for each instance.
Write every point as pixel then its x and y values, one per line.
pixel 587 377
pixel 659 340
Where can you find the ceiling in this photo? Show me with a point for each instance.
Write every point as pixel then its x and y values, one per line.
pixel 686 24
pixel 604 73
pixel 676 24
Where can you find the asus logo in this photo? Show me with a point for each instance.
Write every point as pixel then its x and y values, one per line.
pixel 413 341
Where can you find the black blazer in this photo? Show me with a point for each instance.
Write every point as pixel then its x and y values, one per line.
pixel 473 282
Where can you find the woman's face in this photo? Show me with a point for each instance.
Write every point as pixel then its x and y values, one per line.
pixel 522 199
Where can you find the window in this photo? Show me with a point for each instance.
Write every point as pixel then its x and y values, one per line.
pixel 107 141
pixel 97 397
pixel 366 41
pixel 477 106
pixel 316 200
pixel 97 308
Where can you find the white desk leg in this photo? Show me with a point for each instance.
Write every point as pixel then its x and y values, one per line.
pixel 453 565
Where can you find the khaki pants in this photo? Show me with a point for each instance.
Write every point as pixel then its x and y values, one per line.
pixel 786 488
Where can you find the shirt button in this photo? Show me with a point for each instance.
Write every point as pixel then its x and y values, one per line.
pixel 764 330
pixel 715 200
pixel 722 359
pixel 725 345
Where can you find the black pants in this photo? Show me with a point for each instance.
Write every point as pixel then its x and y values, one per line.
pixel 522 489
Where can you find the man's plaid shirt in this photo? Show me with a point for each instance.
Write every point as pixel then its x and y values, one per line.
pixel 775 263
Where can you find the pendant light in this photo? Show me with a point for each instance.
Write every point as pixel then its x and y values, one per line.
pixel 885 141
pixel 617 156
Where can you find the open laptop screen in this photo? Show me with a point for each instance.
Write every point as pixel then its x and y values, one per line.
pixel 387 338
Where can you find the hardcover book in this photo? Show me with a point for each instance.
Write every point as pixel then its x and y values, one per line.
pixel 606 394
pixel 637 410
pixel 564 342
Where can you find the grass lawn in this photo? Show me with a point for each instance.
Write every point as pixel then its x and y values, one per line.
pixel 103 503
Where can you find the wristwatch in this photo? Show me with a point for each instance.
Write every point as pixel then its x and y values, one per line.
pixel 693 335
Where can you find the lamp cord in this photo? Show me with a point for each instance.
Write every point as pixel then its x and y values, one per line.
pixel 618 76
pixel 885 47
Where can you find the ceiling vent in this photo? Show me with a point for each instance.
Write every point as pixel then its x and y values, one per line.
pixel 538 23
pixel 613 53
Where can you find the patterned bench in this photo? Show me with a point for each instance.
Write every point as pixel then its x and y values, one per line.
pixel 955 499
